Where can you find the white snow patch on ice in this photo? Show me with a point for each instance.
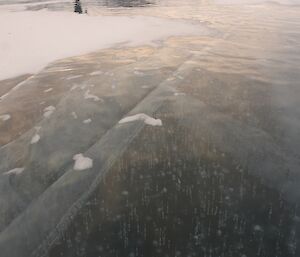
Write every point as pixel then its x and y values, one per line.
pixel 5 117
pixel 81 162
pixel 74 77
pixel 74 114
pixel 94 73
pixel 109 73
pixel 144 117
pixel 48 90
pixel 30 40
pixel 171 79
pixel 35 139
pixel 74 87
pixel 139 73
pixel 87 121
pixel 4 96
pixel 257 228
pixel 125 193
pixel 15 171
pixel 179 94
pixel 48 111
pixel 87 95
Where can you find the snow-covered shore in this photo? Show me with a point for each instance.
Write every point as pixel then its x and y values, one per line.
pixel 31 40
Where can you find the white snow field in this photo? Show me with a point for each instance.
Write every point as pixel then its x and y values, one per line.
pixel 29 40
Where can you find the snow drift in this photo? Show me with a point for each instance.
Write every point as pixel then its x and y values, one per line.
pixel 30 40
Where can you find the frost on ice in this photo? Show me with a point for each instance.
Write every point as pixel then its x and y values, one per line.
pixel 15 171
pixel 81 162
pixel 48 111
pixel 144 117
pixel 5 117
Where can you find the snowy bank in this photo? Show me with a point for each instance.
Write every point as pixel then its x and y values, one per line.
pixel 31 40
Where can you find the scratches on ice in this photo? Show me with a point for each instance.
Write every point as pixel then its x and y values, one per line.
pixel 144 117
pixel 81 162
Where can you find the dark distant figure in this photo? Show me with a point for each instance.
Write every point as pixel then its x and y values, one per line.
pixel 77 6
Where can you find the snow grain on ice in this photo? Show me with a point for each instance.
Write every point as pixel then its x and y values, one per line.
pixel 81 162
pixel 144 117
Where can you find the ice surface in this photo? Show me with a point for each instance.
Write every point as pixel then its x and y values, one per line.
pixel 43 36
pixel 144 117
pixel 81 162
